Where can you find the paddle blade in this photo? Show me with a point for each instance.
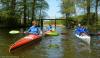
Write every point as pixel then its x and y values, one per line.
pixel 14 32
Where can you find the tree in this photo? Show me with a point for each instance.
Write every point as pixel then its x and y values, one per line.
pixel 25 7
pixel 68 7
pixel 96 9
pixel 41 6
pixel 88 10
pixel 33 9
pixel 13 4
pixel 22 10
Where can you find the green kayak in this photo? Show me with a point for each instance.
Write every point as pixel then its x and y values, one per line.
pixel 52 33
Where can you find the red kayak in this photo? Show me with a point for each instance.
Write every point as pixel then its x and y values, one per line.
pixel 24 41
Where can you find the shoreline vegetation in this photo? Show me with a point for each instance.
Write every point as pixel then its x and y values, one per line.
pixel 21 13
pixel 58 25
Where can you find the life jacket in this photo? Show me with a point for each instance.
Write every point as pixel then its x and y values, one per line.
pixel 49 27
pixel 34 30
pixel 79 30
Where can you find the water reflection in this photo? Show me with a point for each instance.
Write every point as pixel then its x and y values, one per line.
pixel 62 46
pixel 53 47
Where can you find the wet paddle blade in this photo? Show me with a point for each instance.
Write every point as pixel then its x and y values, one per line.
pixel 14 32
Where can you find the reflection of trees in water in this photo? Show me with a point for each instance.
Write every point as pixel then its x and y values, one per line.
pixel 95 47
pixel 95 52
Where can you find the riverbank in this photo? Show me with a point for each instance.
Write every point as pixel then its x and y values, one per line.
pixel 58 25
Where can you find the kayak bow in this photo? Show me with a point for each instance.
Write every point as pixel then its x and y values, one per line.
pixel 24 41
pixel 85 38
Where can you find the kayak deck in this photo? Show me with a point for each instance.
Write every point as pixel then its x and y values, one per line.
pixel 84 38
pixel 24 41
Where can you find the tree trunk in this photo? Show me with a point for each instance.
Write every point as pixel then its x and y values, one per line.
pixel 88 11
pixel 25 7
pixel 33 10
pixel 40 16
pixel 12 17
pixel 13 4
pixel 96 10
pixel 28 16
pixel 67 24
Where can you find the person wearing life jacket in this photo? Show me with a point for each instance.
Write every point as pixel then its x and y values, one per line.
pixel 34 29
pixel 84 31
pixel 77 29
pixel 81 30
pixel 50 28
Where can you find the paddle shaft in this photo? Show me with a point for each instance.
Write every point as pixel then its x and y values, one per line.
pixel 92 34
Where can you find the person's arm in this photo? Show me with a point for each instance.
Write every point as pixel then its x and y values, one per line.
pixel 40 31
pixel 86 30
pixel 28 30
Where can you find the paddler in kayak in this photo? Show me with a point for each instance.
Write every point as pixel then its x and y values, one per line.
pixel 81 30
pixel 50 28
pixel 34 29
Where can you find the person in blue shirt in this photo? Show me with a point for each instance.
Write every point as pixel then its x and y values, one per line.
pixel 34 29
pixel 77 29
pixel 81 30
pixel 50 28
pixel 85 30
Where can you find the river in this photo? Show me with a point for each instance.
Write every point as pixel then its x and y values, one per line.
pixel 62 46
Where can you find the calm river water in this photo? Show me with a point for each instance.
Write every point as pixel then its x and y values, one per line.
pixel 62 46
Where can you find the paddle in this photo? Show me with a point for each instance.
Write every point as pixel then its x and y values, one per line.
pixel 14 32
pixel 91 34
pixel 97 34
pixel 17 32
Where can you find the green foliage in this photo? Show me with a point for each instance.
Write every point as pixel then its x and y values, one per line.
pixel 57 22
pixel 41 6
pixel 83 19
pixel 92 19
pixel 7 19
pixel 68 7
pixel 60 21
pixel 89 9
pixel 12 11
